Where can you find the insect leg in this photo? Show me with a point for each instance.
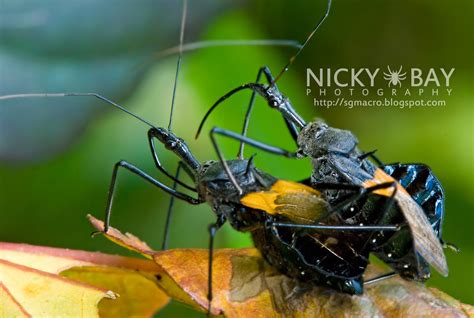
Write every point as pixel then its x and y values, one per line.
pixel 390 200
pixel 240 154
pixel 377 160
pixel 386 208
pixel 252 142
pixel 291 126
pixel 380 278
pixel 374 228
pixel 164 245
pixel 257 144
pixel 360 192
pixel 273 97
pixel 130 167
pixel 451 246
pixel 371 154
pixel 212 233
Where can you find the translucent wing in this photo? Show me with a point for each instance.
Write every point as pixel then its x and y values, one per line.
pixel 426 243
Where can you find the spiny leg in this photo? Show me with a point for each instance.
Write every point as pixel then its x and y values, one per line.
pixel 130 167
pixel 256 144
pixel 212 233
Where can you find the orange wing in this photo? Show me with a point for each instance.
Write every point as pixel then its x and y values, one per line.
pixel 298 202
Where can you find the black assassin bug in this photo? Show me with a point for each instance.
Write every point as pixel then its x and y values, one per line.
pixel 273 226
pixel 426 190
pixel 338 162
pixel 417 192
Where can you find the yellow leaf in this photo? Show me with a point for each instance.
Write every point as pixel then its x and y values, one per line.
pixel 47 295
pixel 133 279
pixel 55 260
pixel 9 307
pixel 139 293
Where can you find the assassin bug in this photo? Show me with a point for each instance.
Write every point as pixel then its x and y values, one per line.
pixel 214 183
pixel 337 161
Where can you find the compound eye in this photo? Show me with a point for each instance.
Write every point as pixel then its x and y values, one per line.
pixel 273 103
pixel 320 129
pixel 170 145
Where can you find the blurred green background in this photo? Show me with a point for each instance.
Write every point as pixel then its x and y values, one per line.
pixel 45 195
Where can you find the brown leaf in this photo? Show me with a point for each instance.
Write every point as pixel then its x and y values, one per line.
pixel 127 240
pixel 245 286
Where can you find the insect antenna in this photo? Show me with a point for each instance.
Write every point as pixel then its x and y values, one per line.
pixel 102 98
pixel 308 38
pixel 180 57
pixel 191 46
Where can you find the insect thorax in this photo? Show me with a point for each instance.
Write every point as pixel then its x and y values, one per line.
pixel 317 139
pixel 215 187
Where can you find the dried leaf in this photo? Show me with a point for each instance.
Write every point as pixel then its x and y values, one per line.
pixel 133 279
pixel 127 240
pixel 245 286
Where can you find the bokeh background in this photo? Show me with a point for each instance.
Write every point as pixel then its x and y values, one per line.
pixel 57 155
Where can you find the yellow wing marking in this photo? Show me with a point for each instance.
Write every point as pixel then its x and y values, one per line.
pixel 298 202
pixel 381 177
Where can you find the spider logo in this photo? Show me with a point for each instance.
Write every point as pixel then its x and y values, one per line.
pixel 394 77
